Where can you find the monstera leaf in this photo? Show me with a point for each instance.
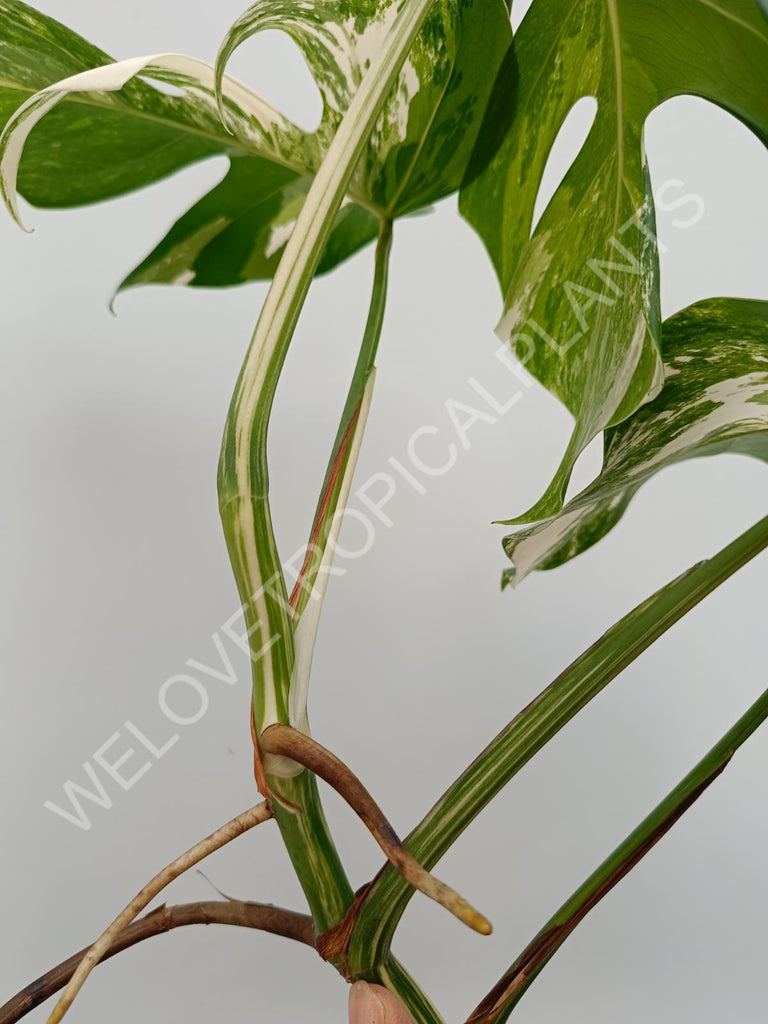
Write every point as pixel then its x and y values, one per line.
pixel 424 138
pixel 97 147
pixel 581 294
pixel 715 399
pixel 117 132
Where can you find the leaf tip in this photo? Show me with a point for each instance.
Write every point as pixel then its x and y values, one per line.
pixel 508 578
pixel 10 197
pixel 225 52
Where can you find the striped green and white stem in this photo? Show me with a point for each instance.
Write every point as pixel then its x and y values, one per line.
pixel 394 976
pixel 307 834
pixel 243 474
pixel 531 730
pixel 502 999
pixel 244 481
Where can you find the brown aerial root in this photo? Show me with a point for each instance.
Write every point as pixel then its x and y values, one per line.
pixel 261 916
pixel 282 739
pixel 242 823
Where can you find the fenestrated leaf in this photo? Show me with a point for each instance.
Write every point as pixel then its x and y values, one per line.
pixel 101 144
pixel 581 294
pixel 715 399
pixel 123 133
pixel 423 140
pixel 238 231
pixel 442 155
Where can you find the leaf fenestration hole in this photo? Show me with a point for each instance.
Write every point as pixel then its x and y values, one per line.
pixel 274 66
pixel 569 142
pixel 587 466
pixel 519 11
pixel 708 171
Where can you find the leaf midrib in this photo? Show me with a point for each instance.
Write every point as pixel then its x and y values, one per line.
pixel 389 215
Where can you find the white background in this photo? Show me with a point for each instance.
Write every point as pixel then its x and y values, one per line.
pixel 115 572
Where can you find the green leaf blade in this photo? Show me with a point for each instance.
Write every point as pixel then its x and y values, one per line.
pixel 237 232
pixel 64 162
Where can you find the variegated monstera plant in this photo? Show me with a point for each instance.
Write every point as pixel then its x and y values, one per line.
pixel 421 98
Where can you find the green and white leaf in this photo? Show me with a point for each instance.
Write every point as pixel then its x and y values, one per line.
pixel 260 128
pixel 100 144
pixel 92 147
pixel 117 132
pixel 423 140
pixel 715 399
pixel 581 294
pixel 237 232
pixel 111 139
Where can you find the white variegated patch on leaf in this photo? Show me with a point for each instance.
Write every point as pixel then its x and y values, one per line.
pixel 581 293
pixel 714 400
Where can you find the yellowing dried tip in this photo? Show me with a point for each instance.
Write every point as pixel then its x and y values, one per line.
pixel 482 925
pixel 476 921
pixel 467 914
pixel 453 902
